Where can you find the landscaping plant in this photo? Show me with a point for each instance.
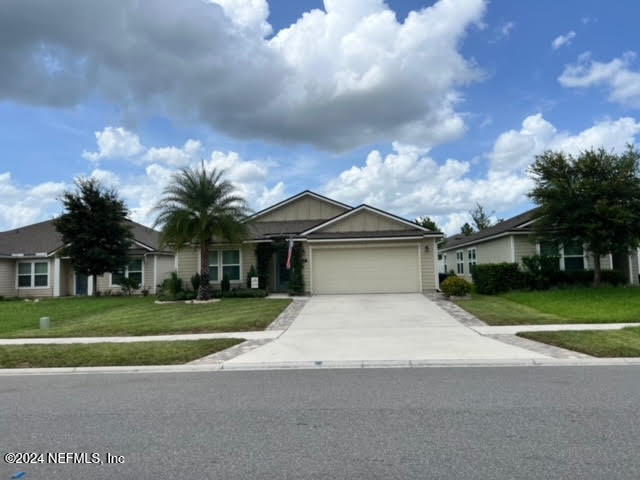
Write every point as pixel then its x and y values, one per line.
pixel 455 287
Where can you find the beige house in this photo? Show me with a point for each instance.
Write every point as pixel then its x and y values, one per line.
pixel 345 249
pixel 31 264
pixel 510 240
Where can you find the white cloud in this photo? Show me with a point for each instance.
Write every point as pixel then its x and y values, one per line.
pixel 174 156
pixel 24 204
pixel 515 149
pixel 340 78
pixel 411 183
pixel 562 40
pixel 616 75
pixel 114 142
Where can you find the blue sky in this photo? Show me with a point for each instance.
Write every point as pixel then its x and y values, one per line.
pixel 420 108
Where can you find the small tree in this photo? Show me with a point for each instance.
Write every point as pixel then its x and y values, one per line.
pixel 94 229
pixel 480 218
pixel 426 222
pixel 197 206
pixel 593 198
pixel 466 229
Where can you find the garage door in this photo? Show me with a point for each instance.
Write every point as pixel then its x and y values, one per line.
pixel 365 270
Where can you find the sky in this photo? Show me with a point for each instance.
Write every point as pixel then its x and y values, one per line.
pixel 420 108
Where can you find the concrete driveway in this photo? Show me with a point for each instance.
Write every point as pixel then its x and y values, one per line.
pixel 402 327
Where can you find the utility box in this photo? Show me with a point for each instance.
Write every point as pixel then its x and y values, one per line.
pixel 45 322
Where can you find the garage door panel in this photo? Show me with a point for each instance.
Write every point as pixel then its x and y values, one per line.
pixel 365 270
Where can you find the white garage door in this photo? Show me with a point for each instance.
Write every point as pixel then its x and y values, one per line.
pixel 365 270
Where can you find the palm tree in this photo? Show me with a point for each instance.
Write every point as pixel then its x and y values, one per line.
pixel 196 207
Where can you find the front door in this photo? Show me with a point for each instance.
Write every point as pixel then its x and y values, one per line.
pixel 81 284
pixel 282 274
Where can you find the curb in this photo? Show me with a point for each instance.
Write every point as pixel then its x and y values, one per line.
pixel 327 365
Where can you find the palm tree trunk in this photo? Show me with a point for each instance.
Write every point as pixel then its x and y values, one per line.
pixel 204 292
pixel 596 270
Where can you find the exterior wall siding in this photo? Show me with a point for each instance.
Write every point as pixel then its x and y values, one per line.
pixel 428 260
pixel 8 278
pixel 305 208
pixel 166 265
pixel 364 221
pixel 524 246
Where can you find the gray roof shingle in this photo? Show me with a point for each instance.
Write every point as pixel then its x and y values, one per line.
pixel 43 238
pixel 509 225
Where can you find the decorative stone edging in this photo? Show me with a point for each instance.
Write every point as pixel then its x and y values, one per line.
pixel 188 302
pixel 288 315
pixel 455 311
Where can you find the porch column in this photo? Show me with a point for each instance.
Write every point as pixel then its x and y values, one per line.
pixel 56 277
pixel 90 285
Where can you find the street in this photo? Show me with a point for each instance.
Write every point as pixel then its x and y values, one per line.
pixel 457 423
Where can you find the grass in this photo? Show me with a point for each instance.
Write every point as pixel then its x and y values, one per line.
pixel 122 316
pixel 110 354
pixel 572 305
pixel 599 343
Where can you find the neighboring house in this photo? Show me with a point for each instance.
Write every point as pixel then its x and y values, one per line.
pixel 31 264
pixel 512 239
pixel 345 249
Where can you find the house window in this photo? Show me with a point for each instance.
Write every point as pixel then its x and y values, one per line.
pixel 132 271
pixel 471 254
pixel 224 262
pixel 549 249
pixel 231 264
pixel 213 265
pixel 460 262
pixel 573 256
pixel 444 263
pixel 33 275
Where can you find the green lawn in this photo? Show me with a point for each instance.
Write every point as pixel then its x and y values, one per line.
pixel 599 343
pixel 110 354
pixel 111 316
pixel 572 305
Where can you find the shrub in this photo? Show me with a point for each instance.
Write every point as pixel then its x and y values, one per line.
pixel 246 293
pixel 455 286
pixel 225 285
pixel 492 278
pixel 252 273
pixel 172 285
pixel 541 272
pixel 614 277
pixel 128 285
pixel 195 282
pixel 145 292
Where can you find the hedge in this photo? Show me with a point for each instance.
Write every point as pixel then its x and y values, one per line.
pixel 492 278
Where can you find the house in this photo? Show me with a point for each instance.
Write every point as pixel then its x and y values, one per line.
pixel 345 249
pixel 512 239
pixel 31 263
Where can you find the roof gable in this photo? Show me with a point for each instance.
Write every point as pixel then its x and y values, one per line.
pixel 367 219
pixel 304 206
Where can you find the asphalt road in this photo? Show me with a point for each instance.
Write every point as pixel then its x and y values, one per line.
pixel 457 423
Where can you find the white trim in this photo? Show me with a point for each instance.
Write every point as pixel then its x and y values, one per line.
pixel 435 265
pixel 513 249
pixel 155 272
pixel 56 276
pixel 526 224
pixel 296 197
pixel 175 261
pixel 90 285
pixel 17 254
pixel 33 274
pixel 481 240
pixel 310 260
pixel 420 246
pixel 362 239
pixel 143 245
pixel 630 282
pixel 611 261
pixel 220 265
pixel 372 210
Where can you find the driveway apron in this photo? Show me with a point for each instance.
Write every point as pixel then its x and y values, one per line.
pixel 386 327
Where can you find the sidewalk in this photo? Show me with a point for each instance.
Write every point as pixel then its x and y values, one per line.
pixel 513 329
pixel 258 335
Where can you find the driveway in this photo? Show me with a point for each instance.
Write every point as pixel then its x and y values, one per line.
pixel 334 328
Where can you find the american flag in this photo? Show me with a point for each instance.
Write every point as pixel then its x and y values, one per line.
pixel 289 254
